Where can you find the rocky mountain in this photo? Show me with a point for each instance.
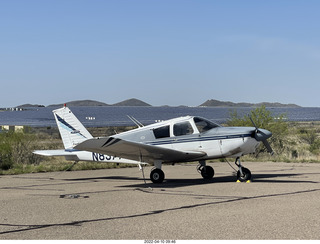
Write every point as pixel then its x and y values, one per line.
pixel 131 102
pixel 217 103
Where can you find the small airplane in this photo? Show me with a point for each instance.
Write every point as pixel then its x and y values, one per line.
pixel 184 139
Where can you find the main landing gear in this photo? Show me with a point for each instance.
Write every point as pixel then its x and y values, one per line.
pixel 156 175
pixel 207 172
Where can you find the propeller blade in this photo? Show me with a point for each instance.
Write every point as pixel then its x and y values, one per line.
pixel 267 145
pixel 253 123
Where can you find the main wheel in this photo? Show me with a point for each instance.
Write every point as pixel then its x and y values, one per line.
pixel 207 172
pixel 246 175
pixel 157 176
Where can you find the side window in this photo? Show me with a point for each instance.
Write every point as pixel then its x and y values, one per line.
pixel 161 132
pixel 181 129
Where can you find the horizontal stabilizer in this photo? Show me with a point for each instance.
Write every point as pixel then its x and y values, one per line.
pixel 76 155
pixel 48 153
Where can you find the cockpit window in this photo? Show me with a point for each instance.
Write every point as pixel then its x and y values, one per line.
pixel 204 125
pixel 181 129
pixel 162 132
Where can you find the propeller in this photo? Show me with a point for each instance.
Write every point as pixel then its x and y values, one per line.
pixel 262 135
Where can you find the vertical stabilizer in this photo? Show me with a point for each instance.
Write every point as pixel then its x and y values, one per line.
pixel 71 130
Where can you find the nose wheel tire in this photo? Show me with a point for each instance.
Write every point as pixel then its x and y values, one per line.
pixel 157 176
pixel 245 176
pixel 207 172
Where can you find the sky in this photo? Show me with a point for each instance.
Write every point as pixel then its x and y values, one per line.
pixel 164 52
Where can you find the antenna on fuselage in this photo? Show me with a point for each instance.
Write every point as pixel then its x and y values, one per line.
pixel 134 120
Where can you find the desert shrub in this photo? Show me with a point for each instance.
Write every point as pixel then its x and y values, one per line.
pixel 310 137
pixel 16 148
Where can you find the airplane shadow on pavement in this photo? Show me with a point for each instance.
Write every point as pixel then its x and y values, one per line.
pixel 182 182
pixel 259 178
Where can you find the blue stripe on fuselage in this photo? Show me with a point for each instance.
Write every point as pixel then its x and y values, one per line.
pixel 175 140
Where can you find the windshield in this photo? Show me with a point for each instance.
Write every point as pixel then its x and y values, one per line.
pixel 204 125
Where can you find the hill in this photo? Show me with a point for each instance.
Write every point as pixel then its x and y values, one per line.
pixel 92 103
pixel 217 103
pixel 81 103
pixel 28 105
pixel 131 102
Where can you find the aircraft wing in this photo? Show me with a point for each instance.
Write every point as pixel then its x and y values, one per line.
pixel 136 151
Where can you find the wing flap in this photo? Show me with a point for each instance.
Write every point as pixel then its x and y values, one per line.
pixel 136 151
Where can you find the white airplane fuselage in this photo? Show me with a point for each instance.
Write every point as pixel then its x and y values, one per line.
pixel 218 142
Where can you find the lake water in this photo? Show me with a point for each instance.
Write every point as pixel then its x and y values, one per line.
pixel 117 116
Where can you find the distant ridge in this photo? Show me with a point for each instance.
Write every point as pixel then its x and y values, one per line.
pixel 81 103
pixel 92 103
pixel 136 102
pixel 28 105
pixel 217 103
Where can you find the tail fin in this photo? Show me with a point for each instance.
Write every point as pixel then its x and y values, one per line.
pixel 71 130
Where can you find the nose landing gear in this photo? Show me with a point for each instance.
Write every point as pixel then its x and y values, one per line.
pixel 243 174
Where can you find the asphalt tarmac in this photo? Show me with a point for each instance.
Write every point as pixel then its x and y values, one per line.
pixel 281 202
